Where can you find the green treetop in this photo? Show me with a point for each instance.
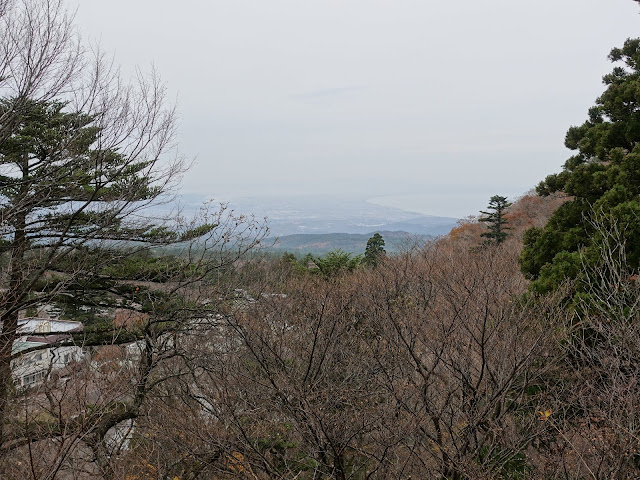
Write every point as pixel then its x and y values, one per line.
pixel 333 263
pixel 495 219
pixel 374 250
pixel 602 179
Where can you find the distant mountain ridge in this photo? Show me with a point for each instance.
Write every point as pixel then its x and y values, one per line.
pixel 318 224
pixel 355 243
pixel 337 214
pixel 421 226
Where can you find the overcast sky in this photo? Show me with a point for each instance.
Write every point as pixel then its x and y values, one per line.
pixel 422 104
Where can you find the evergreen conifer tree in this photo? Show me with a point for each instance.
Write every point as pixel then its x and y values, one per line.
pixel 496 220
pixel 601 179
pixel 374 249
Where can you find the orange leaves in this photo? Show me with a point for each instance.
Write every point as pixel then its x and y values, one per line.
pixel 234 462
pixel 544 416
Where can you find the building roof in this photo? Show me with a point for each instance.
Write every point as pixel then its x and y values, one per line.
pixel 21 346
pixel 46 326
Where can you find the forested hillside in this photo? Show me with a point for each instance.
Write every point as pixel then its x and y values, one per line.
pixel 138 346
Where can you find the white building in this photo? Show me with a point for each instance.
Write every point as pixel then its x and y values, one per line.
pixel 37 353
pixel 35 326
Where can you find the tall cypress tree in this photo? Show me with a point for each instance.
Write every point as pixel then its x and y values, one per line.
pixel 374 250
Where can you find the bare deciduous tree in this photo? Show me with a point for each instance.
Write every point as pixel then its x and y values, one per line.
pixel 462 353
pixel 429 365
pixel 597 390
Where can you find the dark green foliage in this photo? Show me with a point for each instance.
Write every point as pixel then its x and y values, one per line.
pixel 496 220
pixel 90 297
pixel 330 265
pixel 333 263
pixel 67 203
pixel 145 266
pixel 603 178
pixel 375 250
pixel 288 257
pixel 53 170
pixel 292 263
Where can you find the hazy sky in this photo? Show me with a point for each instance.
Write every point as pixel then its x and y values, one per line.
pixel 423 104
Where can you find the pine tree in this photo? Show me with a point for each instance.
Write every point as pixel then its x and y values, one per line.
pixel 496 220
pixel 601 182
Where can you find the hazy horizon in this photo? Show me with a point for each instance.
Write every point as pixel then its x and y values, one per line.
pixel 414 104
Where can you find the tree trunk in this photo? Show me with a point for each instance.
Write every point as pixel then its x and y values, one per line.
pixel 10 302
